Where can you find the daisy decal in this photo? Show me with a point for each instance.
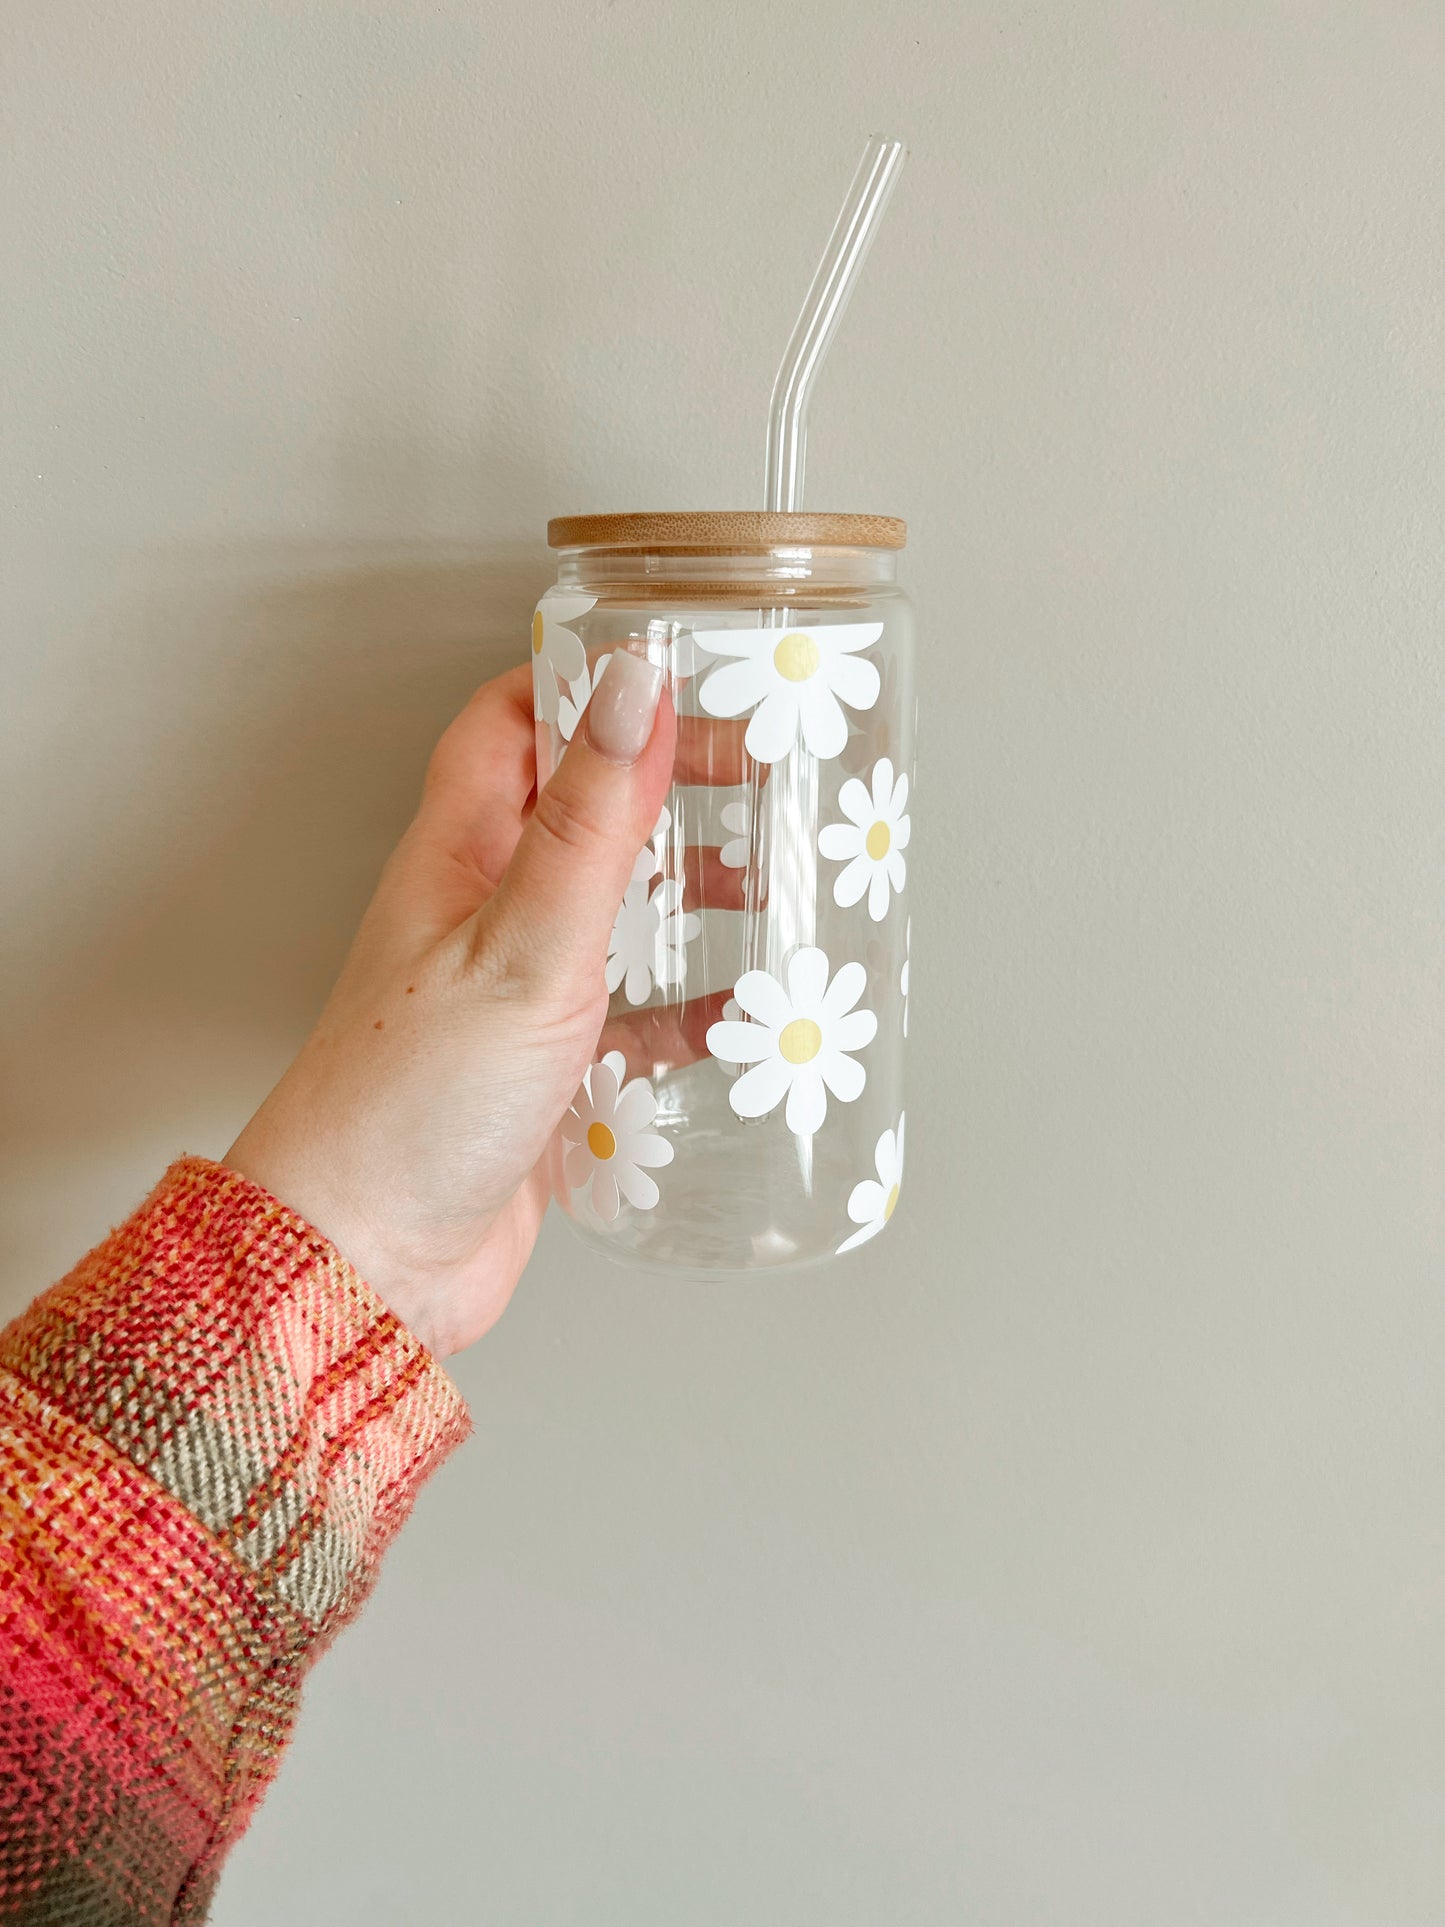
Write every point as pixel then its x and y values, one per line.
pixel 872 841
pixel 800 1041
pixel 794 680
pixel 871 1202
pixel 737 819
pixel 609 1145
pixel 579 693
pixel 557 655
pixel 649 939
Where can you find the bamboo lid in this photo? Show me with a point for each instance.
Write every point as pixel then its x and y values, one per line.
pixel 707 531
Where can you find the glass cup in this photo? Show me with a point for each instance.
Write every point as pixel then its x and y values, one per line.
pixel 745 1107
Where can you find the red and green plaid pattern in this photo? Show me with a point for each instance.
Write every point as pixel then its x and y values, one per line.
pixel 208 1433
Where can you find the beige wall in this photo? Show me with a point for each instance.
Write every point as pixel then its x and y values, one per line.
pixel 1075 1554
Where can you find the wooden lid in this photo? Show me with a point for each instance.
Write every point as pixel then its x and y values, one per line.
pixel 717 530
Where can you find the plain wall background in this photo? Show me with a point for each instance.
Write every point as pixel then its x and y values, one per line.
pixel 1074 1554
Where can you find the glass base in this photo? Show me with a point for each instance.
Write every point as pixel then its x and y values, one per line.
pixel 738 1197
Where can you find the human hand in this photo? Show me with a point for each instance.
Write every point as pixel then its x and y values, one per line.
pixel 411 1127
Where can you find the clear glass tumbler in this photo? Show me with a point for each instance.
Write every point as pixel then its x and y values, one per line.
pixel 745 1108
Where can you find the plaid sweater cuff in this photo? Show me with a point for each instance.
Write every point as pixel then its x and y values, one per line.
pixel 208 1434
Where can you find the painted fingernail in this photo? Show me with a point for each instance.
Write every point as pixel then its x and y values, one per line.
pixel 624 703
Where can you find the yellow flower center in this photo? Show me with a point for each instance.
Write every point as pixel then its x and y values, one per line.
pixel 796 656
pixel 800 1041
pixel 537 633
pixel 877 840
pixel 600 1141
pixel 890 1204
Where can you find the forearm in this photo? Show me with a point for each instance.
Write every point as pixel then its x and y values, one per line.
pixel 208 1433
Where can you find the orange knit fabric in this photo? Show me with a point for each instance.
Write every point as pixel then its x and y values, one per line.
pixel 208 1434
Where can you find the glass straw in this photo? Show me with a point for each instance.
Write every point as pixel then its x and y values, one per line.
pixel 787 845
pixel 853 231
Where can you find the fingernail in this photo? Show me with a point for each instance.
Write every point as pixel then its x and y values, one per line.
pixel 621 712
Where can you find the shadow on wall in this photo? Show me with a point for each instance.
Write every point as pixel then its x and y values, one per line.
pixel 275 710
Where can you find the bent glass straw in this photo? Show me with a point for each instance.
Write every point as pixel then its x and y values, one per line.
pixel 789 850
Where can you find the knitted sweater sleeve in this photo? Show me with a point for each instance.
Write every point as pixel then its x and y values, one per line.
pixel 209 1433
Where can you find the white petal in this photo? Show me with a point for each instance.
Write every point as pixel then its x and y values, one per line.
pixel 825 728
pixel 902 832
pixel 854 680
pixel 734 855
pixel 840 637
pixel 882 786
pixel 773 732
pixel 758 1091
pixel 734 817
pixel 565 608
pixel 885 1159
pixel 878 894
pixel 853 1032
pixel 862 1237
pixel 577 1166
pixel 604 1193
pixel 839 840
pixel 852 882
pixel 616 970
pixel 897 868
pixel 734 687
pixel 636 1186
pixel 807 1103
pixel 844 1076
pixel 604 1082
pixel 846 988
pixel 760 995
pixel 900 795
pixel 856 804
pixel 545 694
pixel 636 1107
pixel 738 642
pixel 649 1149
pixel 807 978
pixel 866 1201
pixel 564 651
pixel 739 1043
pixel 638 985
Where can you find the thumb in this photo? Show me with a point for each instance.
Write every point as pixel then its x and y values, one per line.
pixel 549 919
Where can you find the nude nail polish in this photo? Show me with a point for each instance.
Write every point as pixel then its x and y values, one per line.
pixel 623 706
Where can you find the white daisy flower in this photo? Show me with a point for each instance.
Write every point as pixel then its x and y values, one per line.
pixel 871 1203
pixel 649 939
pixel 737 818
pixel 800 1041
pixel 609 1146
pixel 795 680
pixel 874 838
pixel 557 654
pixel 903 973
pixel 579 693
